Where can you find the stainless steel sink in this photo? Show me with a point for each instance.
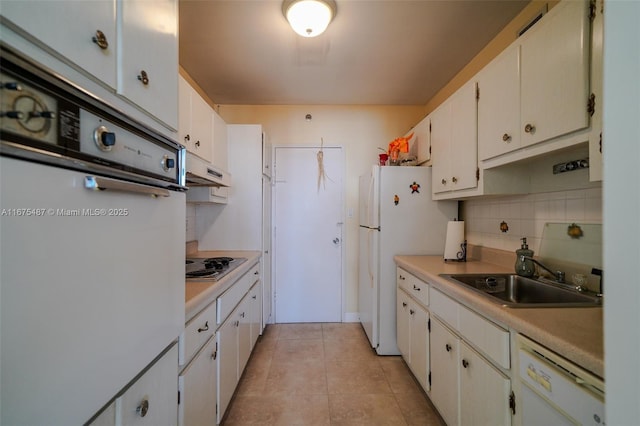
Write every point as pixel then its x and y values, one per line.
pixel 514 291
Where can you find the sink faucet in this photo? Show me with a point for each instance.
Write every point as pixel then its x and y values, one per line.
pixel 559 275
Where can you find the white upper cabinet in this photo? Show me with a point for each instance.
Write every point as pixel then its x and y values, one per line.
pixel 422 139
pixel 555 74
pixel 454 142
pixel 82 32
pixel 148 69
pixel 130 47
pixel 184 113
pixel 499 105
pixel 195 130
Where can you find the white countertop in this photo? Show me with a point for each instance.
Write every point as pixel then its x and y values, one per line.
pixel 574 333
pixel 199 294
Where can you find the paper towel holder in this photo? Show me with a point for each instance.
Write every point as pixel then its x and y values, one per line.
pixel 461 256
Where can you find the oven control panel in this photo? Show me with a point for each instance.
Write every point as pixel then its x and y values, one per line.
pixel 44 116
pixel 110 142
pixel 27 111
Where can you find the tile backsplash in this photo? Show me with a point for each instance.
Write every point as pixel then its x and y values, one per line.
pixel 526 216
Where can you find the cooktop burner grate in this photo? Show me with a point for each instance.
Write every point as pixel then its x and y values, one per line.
pixel 211 268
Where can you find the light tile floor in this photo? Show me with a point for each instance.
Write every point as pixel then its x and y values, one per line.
pixel 326 374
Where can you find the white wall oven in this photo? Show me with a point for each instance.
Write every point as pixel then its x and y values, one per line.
pixel 92 250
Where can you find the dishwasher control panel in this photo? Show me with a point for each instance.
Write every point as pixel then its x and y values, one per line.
pixel 553 389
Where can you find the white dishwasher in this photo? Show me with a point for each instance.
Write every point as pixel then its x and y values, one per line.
pixel 555 391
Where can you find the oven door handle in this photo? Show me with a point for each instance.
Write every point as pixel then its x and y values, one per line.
pixel 96 183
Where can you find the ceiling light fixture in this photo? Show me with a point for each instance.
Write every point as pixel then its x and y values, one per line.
pixel 309 18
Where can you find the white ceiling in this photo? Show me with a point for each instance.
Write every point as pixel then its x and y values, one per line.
pixel 375 52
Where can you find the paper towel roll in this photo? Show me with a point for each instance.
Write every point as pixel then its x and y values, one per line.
pixel 455 237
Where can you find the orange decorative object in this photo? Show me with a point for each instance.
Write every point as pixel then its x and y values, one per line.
pixel 399 145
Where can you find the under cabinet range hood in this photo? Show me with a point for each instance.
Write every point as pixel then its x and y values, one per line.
pixel 202 173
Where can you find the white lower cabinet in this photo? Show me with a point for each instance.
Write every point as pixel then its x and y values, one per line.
pixel 413 325
pixel 413 337
pixel 245 318
pixel 236 338
pixel 484 391
pixel 227 362
pixel 197 385
pixel 460 358
pixel 467 387
pixel 151 400
pixel 445 383
pixel 222 337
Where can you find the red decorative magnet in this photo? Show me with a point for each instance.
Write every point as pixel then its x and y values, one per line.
pixel 414 187
pixel 396 199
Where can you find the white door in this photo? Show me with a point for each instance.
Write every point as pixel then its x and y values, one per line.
pixel 308 235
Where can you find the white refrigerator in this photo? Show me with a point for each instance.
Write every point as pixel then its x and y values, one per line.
pixel 397 217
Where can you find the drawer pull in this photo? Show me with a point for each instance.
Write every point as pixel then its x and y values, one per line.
pixel 416 288
pixel 447 347
pixel 205 328
pixel 143 408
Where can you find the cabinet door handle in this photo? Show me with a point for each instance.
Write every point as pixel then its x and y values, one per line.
pixel 416 288
pixel 101 40
pixel 454 179
pixel 444 181
pixel 143 408
pixel 506 137
pixel 187 138
pixel 447 347
pixel 404 304
pixel 256 273
pixel 197 143
pixel 402 278
pixel 254 297
pixel 143 77
pixel 205 328
pixel 465 363
pixel 411 311
pixel 529 128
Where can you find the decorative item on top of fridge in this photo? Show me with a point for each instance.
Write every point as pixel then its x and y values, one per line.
pixel 397 152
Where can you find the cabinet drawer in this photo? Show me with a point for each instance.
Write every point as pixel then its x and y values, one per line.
pixel 488 337
pixel 234 294
pixel 413 286
pixel 446 308
pixel 197 332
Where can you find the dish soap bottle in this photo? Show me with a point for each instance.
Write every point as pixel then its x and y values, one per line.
pixel 526 267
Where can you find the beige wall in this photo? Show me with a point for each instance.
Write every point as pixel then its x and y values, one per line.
pixel 359 130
